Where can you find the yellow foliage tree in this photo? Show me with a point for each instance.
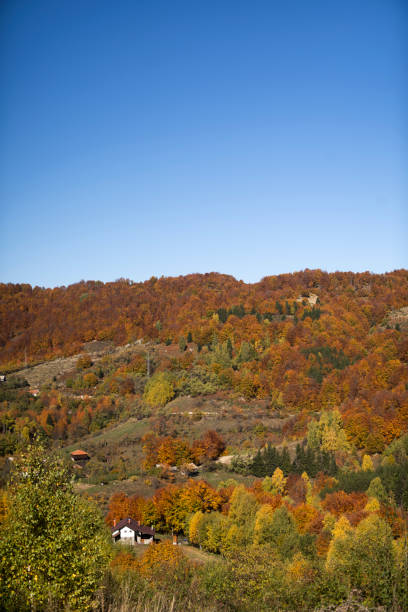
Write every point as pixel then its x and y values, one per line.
pixel 275 484
pixel 198 495
pixel 215 528
pixel 232 539
pixel 193 528
pixel 3 505
pixel 373 505
pixel 329 521
pixel 400 548
pixel 340 544
pixel 300 570
pixel 328 433
pixel 364 558
pixel 263 520
pixel 243 506
pixel 342 528
pixel 308 485
pixel 367 464
pixel 159 390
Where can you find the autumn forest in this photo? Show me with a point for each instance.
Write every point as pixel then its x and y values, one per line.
pixel 264 425
pixel 306 341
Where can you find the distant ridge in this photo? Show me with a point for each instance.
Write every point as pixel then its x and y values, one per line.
pixel 38 323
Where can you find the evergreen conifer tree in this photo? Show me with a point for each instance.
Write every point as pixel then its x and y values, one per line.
pixel 229 348
pixel 285 462
pixel 258 465
pixel 271 460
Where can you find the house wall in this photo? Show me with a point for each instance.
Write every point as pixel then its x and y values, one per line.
pixel 127 534
pixel 144 540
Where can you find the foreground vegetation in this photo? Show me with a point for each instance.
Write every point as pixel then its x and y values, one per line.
pixel 284 543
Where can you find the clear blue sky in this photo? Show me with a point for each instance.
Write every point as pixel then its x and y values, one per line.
pixel 142 138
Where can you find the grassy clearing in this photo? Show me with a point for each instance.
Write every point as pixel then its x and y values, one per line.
pixel 191 552
pixel 214 478
pixel 197 555
pixel 130 487
pixel 113 434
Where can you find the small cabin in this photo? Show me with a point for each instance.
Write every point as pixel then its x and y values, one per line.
pixel 129 531
pixel 3 378
pixel 79 456
pixel 189 469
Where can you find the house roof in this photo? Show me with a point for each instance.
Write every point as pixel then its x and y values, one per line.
pixel 129 522
pixel 79 453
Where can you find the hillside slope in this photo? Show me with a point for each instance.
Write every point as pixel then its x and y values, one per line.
pixel 300 343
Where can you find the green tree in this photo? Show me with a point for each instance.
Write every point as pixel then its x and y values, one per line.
pixel 221 355
pixel 216 526
pixel 243 507
pixel 251 579
pixel 182 343
pixel 337 560
pixel 258 465
pixel 54 546
pixel 263 522
pixel 279 531
pixel 229 348
pixel 377 490
pixel 364 559
pixel 374 563
pixel 246 353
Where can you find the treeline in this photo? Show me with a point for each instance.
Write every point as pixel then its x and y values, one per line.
pixel 265 462
pixel 40 322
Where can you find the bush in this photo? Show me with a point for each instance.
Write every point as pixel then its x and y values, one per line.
pixel 84 362
pixel 89 380
pixel 198 381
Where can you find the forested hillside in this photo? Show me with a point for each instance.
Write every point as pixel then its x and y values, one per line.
pixel 304 342
pixel 42 323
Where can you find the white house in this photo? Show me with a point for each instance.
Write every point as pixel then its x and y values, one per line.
pixel 129 531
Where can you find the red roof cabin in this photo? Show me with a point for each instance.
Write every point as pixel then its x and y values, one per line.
pixel 79 455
